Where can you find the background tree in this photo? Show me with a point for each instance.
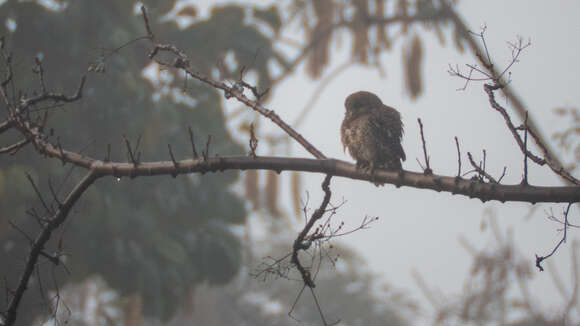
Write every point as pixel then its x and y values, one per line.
pixel 165 236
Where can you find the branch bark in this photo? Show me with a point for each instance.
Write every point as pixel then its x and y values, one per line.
pixel 37 247
pixel 454 185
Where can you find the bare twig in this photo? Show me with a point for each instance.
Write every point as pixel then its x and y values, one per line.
pixel 300 244
pixel 458 157
pixel 149 32
pixel 295 303
pixel 205 153
pixel 488 64
pixel 253 141
pixel 7 125
pixel 427 170
pixel 54 194
pixel 24 234
pixel 57 97
pixel 539 259
pixel 175 164
pixel 40 71
pixel 488 72
pixel 195 156
pixel 7 57
pixel 525 178
pixel 14 148
pixel 502 174
pixel 130 151
pixel 38 194
pixel 479 170
pixel 62 156
pixel 257 94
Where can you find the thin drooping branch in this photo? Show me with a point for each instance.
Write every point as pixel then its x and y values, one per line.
pixel 37 247
pixel 540 259
pixel 300 243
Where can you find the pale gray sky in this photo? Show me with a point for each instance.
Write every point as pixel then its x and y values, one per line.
pixel 419 229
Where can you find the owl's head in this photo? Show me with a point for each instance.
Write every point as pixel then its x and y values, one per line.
pixel 361 102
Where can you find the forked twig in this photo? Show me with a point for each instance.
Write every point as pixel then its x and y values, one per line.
pixel 539 259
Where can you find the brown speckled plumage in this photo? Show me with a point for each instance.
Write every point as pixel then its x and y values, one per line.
pixel 372 132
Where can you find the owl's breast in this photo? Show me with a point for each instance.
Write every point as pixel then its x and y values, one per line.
pixel 356 136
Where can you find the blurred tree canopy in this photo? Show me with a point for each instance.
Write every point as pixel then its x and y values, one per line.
pixel 154 236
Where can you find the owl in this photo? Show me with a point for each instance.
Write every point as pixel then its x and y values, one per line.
pixel 372 132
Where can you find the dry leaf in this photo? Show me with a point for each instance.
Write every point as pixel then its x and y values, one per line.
pixel 189 11
pixel 272 193
pixel 296 186
pixel 320 38
pixel 361 32
pixel 251 184
pixel 412 60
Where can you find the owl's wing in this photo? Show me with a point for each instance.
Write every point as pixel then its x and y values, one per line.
pixel 389 131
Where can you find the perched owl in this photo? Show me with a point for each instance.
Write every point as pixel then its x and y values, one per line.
pixel 372 132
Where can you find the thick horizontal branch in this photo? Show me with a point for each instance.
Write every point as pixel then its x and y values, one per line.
pixel 470 188
pixel 455 185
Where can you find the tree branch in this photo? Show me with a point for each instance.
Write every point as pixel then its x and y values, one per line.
pixel 553 161
pixel 37 247
pixel 470 188
pixel 299 243
pixel 454 185
pixel 182 62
